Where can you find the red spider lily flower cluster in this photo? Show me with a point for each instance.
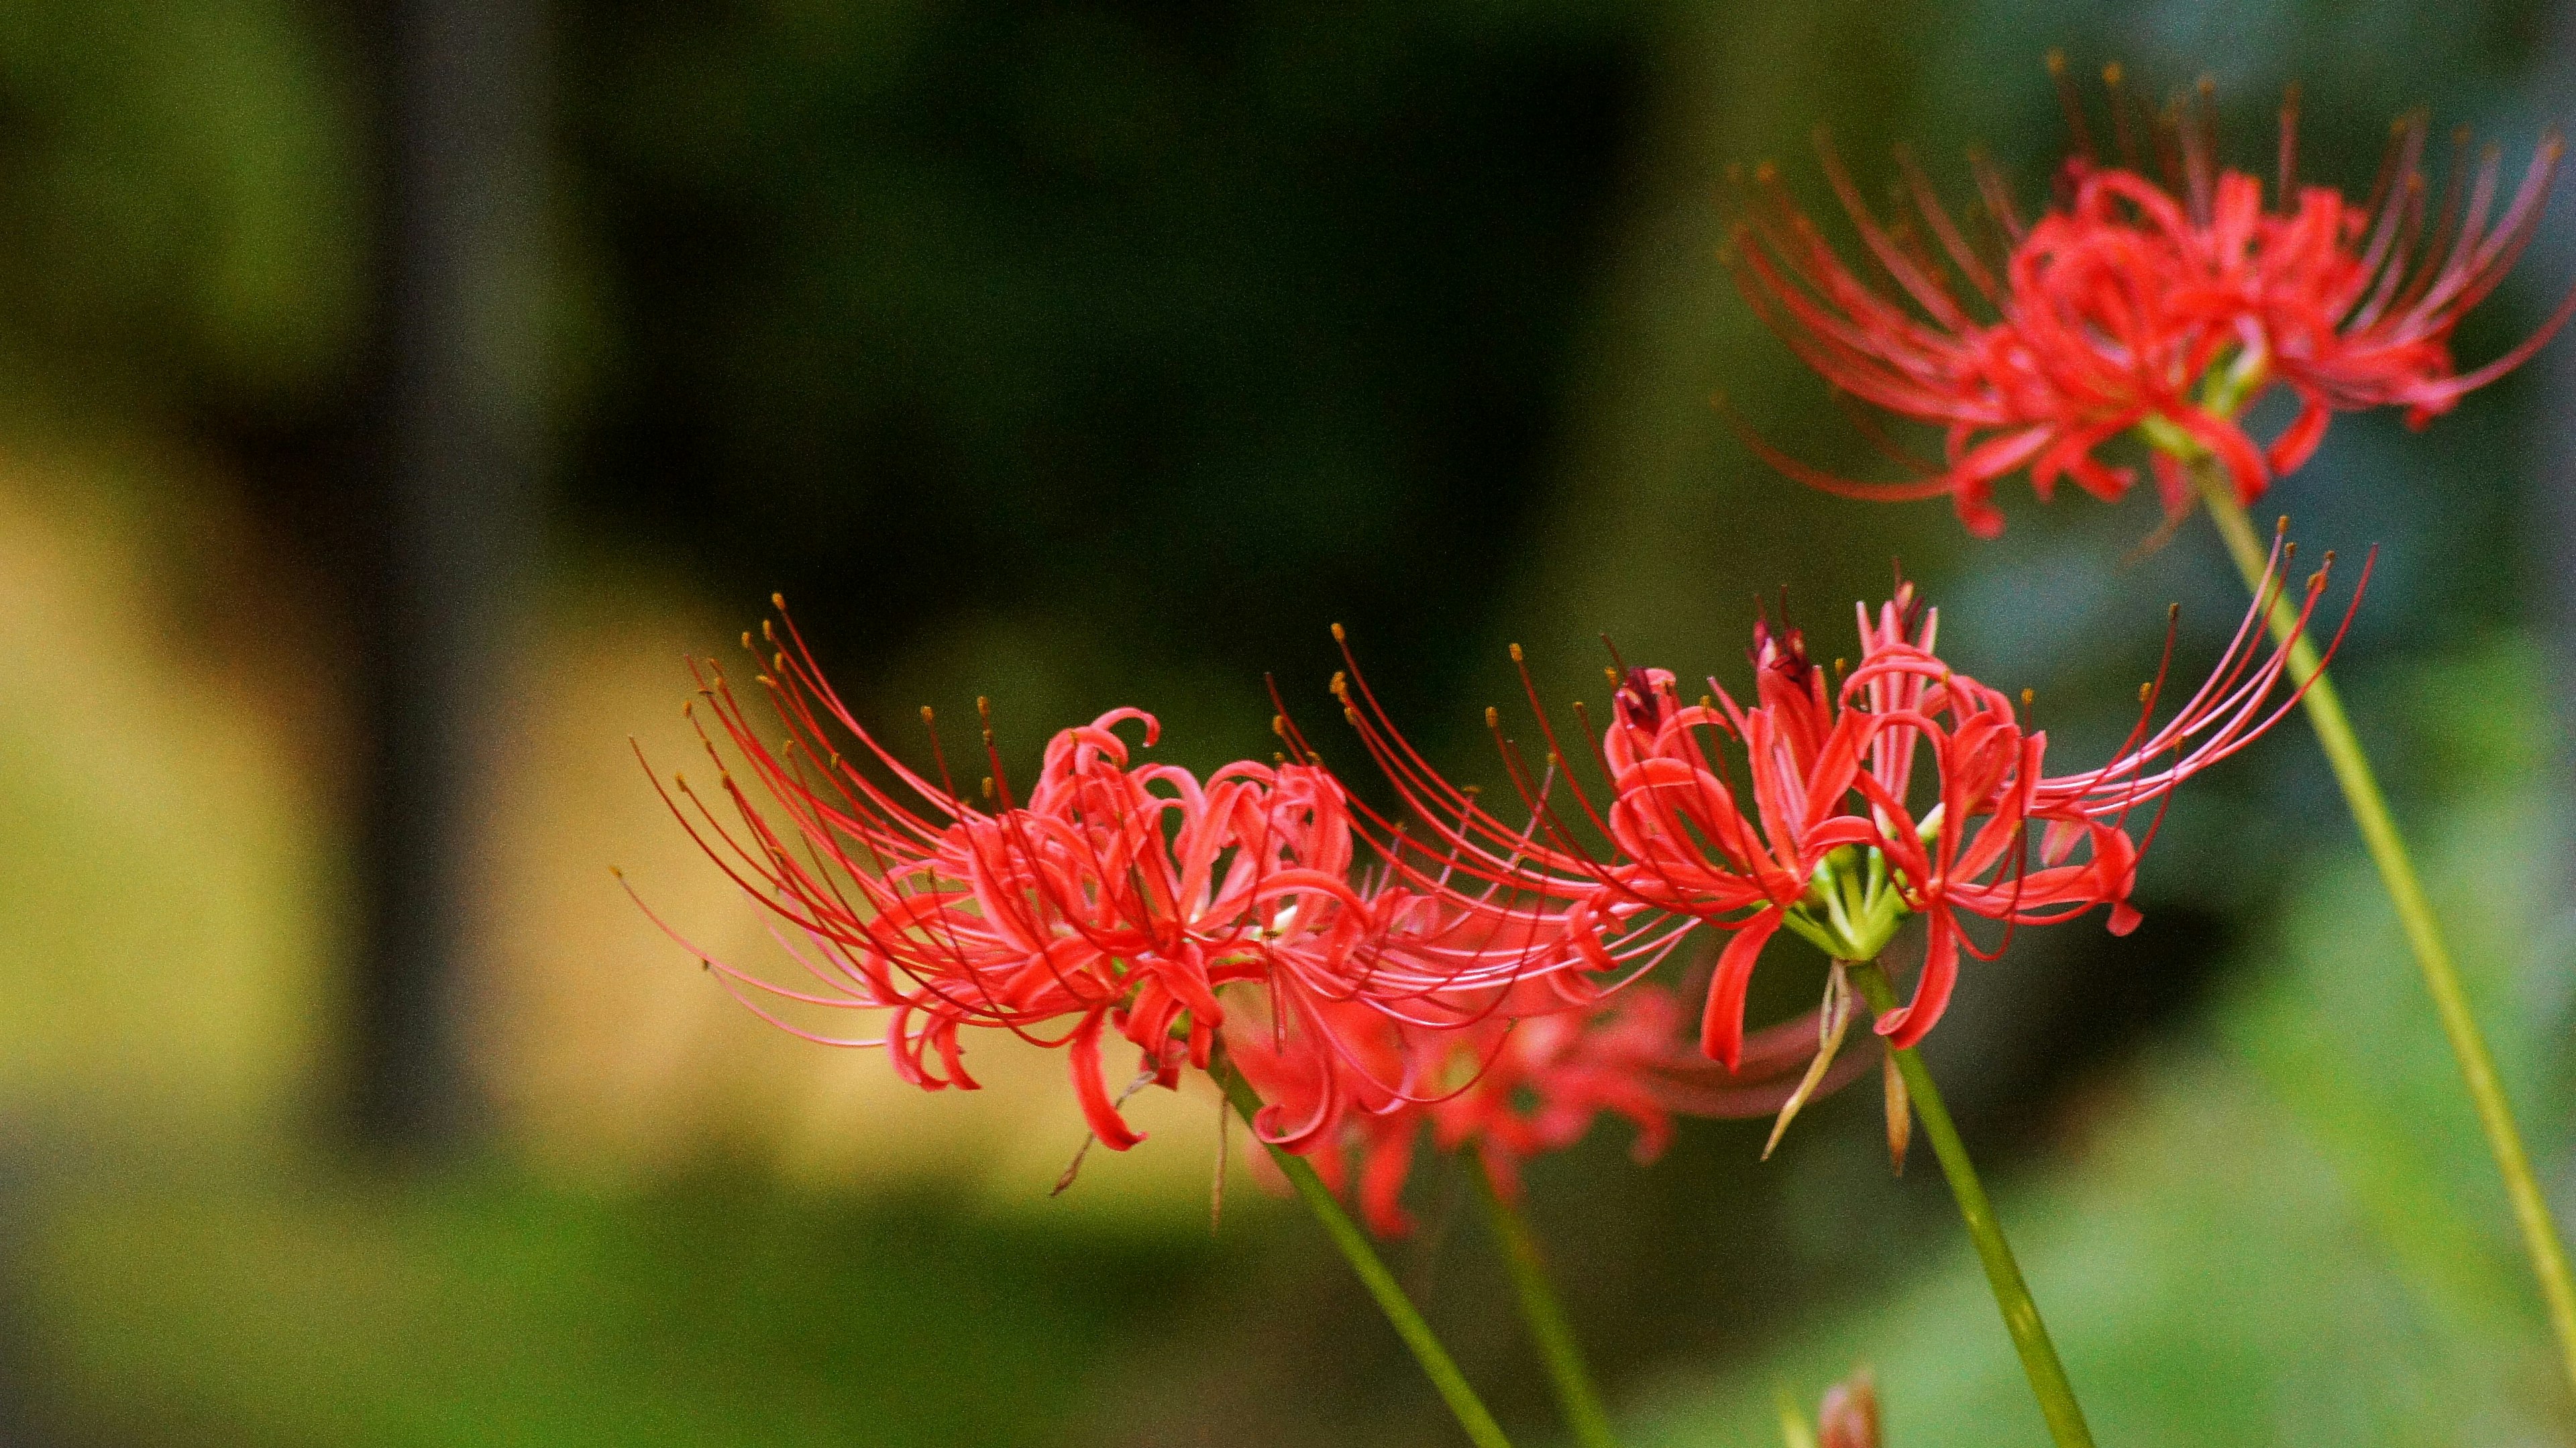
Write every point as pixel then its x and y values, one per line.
pixel 1366 987
pixel 2161 306
pixel 1800 811
pixel 1453 976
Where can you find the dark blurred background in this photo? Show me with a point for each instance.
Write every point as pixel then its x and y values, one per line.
pixel 390 397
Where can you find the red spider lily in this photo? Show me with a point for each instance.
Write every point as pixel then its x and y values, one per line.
pixel 2083 347
pixel 2159 306
pixel 1119 896
pixel 1831 847
pixel 1510 1089
pixel 1831 770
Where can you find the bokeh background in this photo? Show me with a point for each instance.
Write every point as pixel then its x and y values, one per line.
pixel 392 397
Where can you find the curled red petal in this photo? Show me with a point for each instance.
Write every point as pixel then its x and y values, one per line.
pixel 1721 1030
pixel 1083 1054
pixel 1908 1024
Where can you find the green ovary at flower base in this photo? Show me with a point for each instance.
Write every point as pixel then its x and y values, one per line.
pixel 1853 906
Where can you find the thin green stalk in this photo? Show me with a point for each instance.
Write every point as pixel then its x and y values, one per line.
pixel 1399 1309
pixel 2021 1314
pixel 1576 1394
pixel 2423 932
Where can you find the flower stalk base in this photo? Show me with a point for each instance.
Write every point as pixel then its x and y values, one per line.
pixel 2030 1339
pixel 1436 1363
pixel 2423 932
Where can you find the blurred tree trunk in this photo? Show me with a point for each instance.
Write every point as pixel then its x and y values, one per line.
pixel 1663 526
pixel 448 528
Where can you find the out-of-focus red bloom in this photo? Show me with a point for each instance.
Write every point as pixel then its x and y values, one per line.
pixel 1508 1089
pixel 2352 306
pixel 2162 306
pixel 2075 345
pixel 1838 845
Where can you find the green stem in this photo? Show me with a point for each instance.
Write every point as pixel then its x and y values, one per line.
pixel 1399 1309
pixel 2021 1314
pixel 1545 1315
pixel 2423 933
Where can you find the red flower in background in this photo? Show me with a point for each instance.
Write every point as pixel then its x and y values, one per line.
pixel 1509 1089
pixel 2100 351
pixel 2353 306
pixel 2162 306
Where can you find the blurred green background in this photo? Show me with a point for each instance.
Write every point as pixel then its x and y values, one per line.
pixel 1089 354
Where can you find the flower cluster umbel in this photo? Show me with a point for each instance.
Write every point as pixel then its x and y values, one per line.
pixel 2158 297
pixel 1807 809
pixel 1451 974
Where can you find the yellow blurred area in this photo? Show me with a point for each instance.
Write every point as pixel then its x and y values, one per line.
pixel 163 958
pixel 168 785
pixel 611 1052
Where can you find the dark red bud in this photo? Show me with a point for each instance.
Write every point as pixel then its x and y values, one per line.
pixel 1640 707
